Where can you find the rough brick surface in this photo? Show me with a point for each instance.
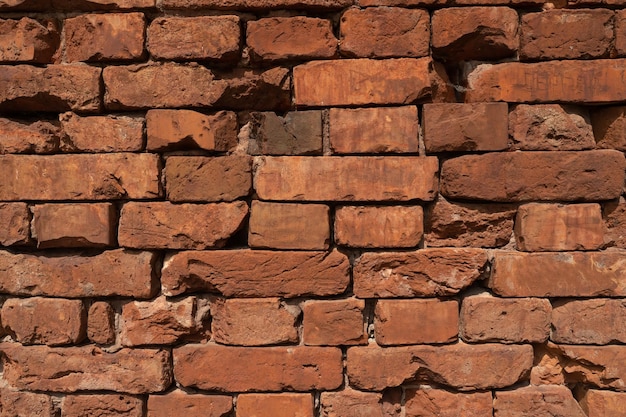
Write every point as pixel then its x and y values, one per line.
pixel 28 40
pixel 350 402
pixel 19 403
pixel 85 134
pixel 192 405
pixel 614 216
pixel 102 405
pixel 275 405
pixel 599 321
pixel 256 4
pixel 296 133
pixel 598 366
pixel 441 403
pixel 15 219
pixel 550 400
pixel 609 124
pixel 334 322
pixel 600 403
pixel 23 136
pixel 101 323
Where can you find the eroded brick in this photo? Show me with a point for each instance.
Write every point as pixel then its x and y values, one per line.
pixel 296 133
pixel 18 403
pixel 555 400
pixel 15 219
pixel 440 403
pixel 275 405
pixel 28 40
pixel 602 403
pixel 599 321
pixel 194 405
pixel 333 322
pixel 27 136
pixel 102 405
pixel 111 133
pixel 101 323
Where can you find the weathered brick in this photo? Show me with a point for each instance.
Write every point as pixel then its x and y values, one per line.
pixel 245 369
pixel 275 405
pixel 557 227
pixel 101 323
pixel 379 227
pixel 15 220
pixel 517 320
pixel 47 321
pixel 289 226
pixel 475 33
pixel 86 368
pixel 73 5
pixel 460 366
pixel 28 40
pixel 547 369
pixel 112 273
pixel 50 89
pixel 194 405
pixel 18 403
pixel 180 129
pixel 446 3
pixel 550 127
pixel 597 403
pixel 158 322
pixel 385 32
pixel 104 37
pixel 596 366
pixel 199 178
pixel 349 402
pixel 102 405
pixel 609 127
pixel 548 400
pixel 333 322
pixel 245 322
pixel 62 177
pixel 566 274
pixel 467 224
pixel 427 402
pixel 598 322
pixel 523 176
pixel 395 321
pixel 374 130
pixel 85 134
pixel 422 273
pixel 256 4
pixel 297 37
pixel 459 127
pixel 296 133
pixel 356 178
pixel 74 225
pixel 256 273
pixel 362 81
pixel 27 136
pixel 582 81
pixel 195 38
pixel 179 226
pixel 566 34
pixel 620 32
pixel 614 215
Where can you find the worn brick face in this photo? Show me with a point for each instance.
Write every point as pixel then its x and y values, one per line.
pixel 334 322
pixel 95 134
pixel 275 405
pixel 194 405
pixel 16 220
pixel 28 40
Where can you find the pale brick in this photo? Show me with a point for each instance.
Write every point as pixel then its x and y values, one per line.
pixel 333 322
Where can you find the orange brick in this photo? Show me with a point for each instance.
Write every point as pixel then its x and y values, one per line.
pixel 194 405
pixel 598 322
pixel 349 402
pixel 15 219
pixel 18 403
pixel 28 40
pixel 26 136
pixel 90 405
pixel 255 4
pixel 609 127
pixel 334 322
pixel 101 323
pixel 601 403
pixel 275 405
pixel 556 400
pixel 85 134
pixel 441 403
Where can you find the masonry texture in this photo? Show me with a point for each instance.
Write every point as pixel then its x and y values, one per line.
pixel 312 208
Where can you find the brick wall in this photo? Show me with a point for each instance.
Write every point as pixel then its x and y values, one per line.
pixel 312 208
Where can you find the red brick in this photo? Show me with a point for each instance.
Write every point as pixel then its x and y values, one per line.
pixel 195 38
pixel 47 321
pixel 86 368
pixel 356 178
pixel 362 81
pixel 289 226
pixel 583 81
pixel 566 274
pixel 460 366
pixel 446 3
pixel 54 88
pixel 543 400
pixel 289 38
pixel 475 33
pixel 467 224
pixel 17 403
pixel 112 273
pixel 374 130
pixel 158 322
pixel 15 219
pixel 595 366
pixel 596 403
pixel 245 369
pixel 523 176
pixel 550 127
pixel 334 322
pixel 253 322
pixel 598 322
pixel 191 405
pixel 428 402
pixel 352 403
pixel 412 322
pixel 620 32
pixel 256 273
pixel 609 127
pixel 379 227
pixel 101 323
pixel 255 4
pixel 296 133
pixel 25 136
pixel 73 5
pixel 104 37
pixel 85 134
pixel 566 34
pixel 422 273
pixel 516 320
pixel 103 405
pixel 74 225
pixel 198 178
pixel 275 405
pixel 179 226
pixel 614 215
pixel 180 129
pixel 28 40
pixel 385 32
pixel 557 227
